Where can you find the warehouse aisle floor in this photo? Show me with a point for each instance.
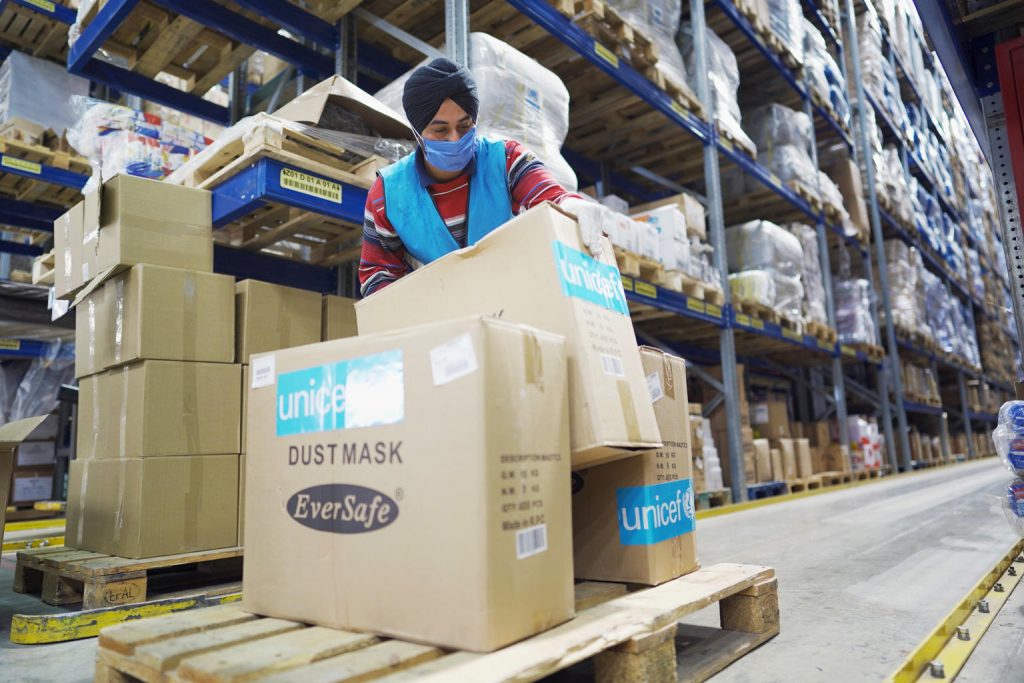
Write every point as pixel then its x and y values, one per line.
pixel 864 575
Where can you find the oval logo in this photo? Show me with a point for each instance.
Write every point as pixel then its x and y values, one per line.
pixel 342 508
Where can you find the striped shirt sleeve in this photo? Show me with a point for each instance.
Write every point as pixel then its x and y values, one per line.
pixel 383 255
pixel 530 182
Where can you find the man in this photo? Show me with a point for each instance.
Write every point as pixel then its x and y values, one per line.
pixel 456 187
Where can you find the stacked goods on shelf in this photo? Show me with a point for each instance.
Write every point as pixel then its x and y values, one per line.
pixel 975 279
pixel 838 165
pixel 997 352
pixel 519 100
pixel 657 21
pixel 906 290
pixel 765 264
pixel 925 448
pixel 948 320
pixel 785 20
pixel 723 83
pixel 717 421
pixel 154 338
pixel 880 80
pixel 118 139
pixel 867 445
pixel 853 312
pixel 827 83
pixel 35 100
pixel 611 499
pixel 32 477
pixel 813 304
pixel 894 193
pixel 920 384
pixel 707 465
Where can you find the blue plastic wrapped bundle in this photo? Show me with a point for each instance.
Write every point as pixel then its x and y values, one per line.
pixel 1013 506
pixel 1008 436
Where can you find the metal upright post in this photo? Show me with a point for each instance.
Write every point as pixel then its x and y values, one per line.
pixel 716 226
pixel 346 58
pixel 890 371
pixel 883 382
pixel 237 81
pixel 456 30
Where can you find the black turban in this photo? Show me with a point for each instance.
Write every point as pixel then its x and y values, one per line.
pixel 430 85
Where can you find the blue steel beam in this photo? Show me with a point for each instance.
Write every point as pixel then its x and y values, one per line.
pixel 102 26
pixel 296 20
pixel 766 178
pixel 604 59
pixel 280 271
pixel 261 182
pixel 237 27
pixel 652 295
pixel 26 215
pixel 63 14
pixel 32 348
pixel 37 171
pixel 20 248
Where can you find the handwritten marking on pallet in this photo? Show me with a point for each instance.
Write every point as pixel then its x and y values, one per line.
pixel 713 310
pixel 21 164
pixel 606 54
pixel 311 185
pixel 696 305
pixel 44 5
pixel 792 334
pixel 627 283
pixel 10 344
pixel 646 289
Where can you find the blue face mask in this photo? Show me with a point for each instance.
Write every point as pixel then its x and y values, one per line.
pixel 450 156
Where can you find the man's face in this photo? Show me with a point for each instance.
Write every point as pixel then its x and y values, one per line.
pixel 449 124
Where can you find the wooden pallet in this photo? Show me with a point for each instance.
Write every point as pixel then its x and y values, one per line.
pixel 631 637
pixel 277 228
pixel 63 576
pixel 756 310
pixel 822 332
pixel 43 269
pixel 874 352
pixel 713 499
pixel 743 144
pixel 834 478
pixel 34 33
pixel 804 484
pixel 29 189
pixel 635 265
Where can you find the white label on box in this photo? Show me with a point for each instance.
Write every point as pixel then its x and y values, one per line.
pixel 612 365
pixel 27 489
pixel 452 360
pixel 654 386
pixel 36 453
pixel 85 272
pixel 759 414
pixel 531 541
pixel 264 371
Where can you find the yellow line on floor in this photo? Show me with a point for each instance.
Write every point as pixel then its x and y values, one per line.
pixel 942 654
pixel 786 497
pixel 56 524
pixel 38 542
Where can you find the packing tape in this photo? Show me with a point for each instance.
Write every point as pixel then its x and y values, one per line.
pixel 66 224
pixel 668 378
pixel 194 502
pixel 95 425
pixel 190 315
pixel 190 406
pixel 629 411
pixel 123 436
pixel 82 486
pixel 533 360
pixel 119 317
pixel 122 475
pixel 91 353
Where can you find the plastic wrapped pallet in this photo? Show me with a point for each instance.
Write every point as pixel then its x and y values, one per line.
pixel 810 273
pixel 39 92
pixel 785 19
pixel 977 284
pixel 37 391
pixel 823 73
pixel 519 100
pixel 766 262
pixel 783 137
pixel 723 79
pixel 658 20
pixel 853 312
pixel 901 261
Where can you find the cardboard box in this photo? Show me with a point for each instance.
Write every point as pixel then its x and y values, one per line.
pixel 787 453
pixel 271 317
pixel 762 461
pixel 819 433
pixel 245 406
pixel 31 485
pixel 337 93
pixel 804 460
pixel 36 454
pixel 241 499
pixel 749 455
pixel 67 240
pixel 420 462
pixel 777 473
pixel 148 221
pixel 837 458
pixel 535 271
pixel 688 204
pixel 148 507
pixel 843 170
pixel 618 532
pixel 90 256
pixel 818 463
pixel 338 318
pixel 771 418
pixel 157 407
pixel 12 435
pixel 152 312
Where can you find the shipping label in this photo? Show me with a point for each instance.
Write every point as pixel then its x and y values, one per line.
pixel 655 513
pixel 359 392
pixel 586 278
pixel 310 184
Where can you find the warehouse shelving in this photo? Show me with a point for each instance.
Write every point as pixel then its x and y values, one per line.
pixel 34 215
pixel 36 27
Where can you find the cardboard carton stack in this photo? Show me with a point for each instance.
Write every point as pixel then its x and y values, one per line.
pixel 158 417
pixel 32 475
pixel 720 430
pixel 406 446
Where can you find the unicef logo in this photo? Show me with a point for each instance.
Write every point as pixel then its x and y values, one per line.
pixel 689 508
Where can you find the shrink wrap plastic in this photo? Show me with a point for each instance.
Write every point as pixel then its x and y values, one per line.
pixel 519 100
pixel 723 79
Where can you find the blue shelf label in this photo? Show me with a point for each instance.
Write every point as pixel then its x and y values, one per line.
pixel 606 54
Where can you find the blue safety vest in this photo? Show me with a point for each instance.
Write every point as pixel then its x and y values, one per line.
pixel 412 212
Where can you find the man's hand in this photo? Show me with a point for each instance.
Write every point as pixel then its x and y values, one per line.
pixel 591 217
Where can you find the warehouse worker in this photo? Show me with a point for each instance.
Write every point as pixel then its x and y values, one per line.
pixel 456 187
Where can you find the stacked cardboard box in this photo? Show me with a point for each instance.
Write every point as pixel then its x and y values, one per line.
pixel 423 431
pixel 720 430
pixel 158 417
pixel 32 475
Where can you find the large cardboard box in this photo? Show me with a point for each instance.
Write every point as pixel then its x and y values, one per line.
pixel 787 453
pixel 777 473
pixel 245 406
pixel 771 419
pixel 534 270
pixel 721 438
pixel 36 454
pixel 12 435
pixel 413 503
pixel 241 499
pixel 147 507
pixel 271 317
pixel 762 461
pixel 338 318
pixel 690 206
pixel 157 407
pixel 30 485
pixel 67 251
pixel 152 312
pixel 804 460
pixel 334 93
pixel 148 221
pixel 819 433
pixel 633 519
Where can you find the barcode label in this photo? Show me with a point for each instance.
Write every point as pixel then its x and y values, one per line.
pixel 532 541
pixel 654 386
pixel 455 359
pixel 612 365
pixel 297 181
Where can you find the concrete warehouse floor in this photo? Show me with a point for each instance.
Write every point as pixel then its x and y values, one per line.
pixel 864 575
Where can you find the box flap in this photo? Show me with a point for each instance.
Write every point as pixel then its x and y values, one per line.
pixel 13 433
pixel 308 108
pixel 96 283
